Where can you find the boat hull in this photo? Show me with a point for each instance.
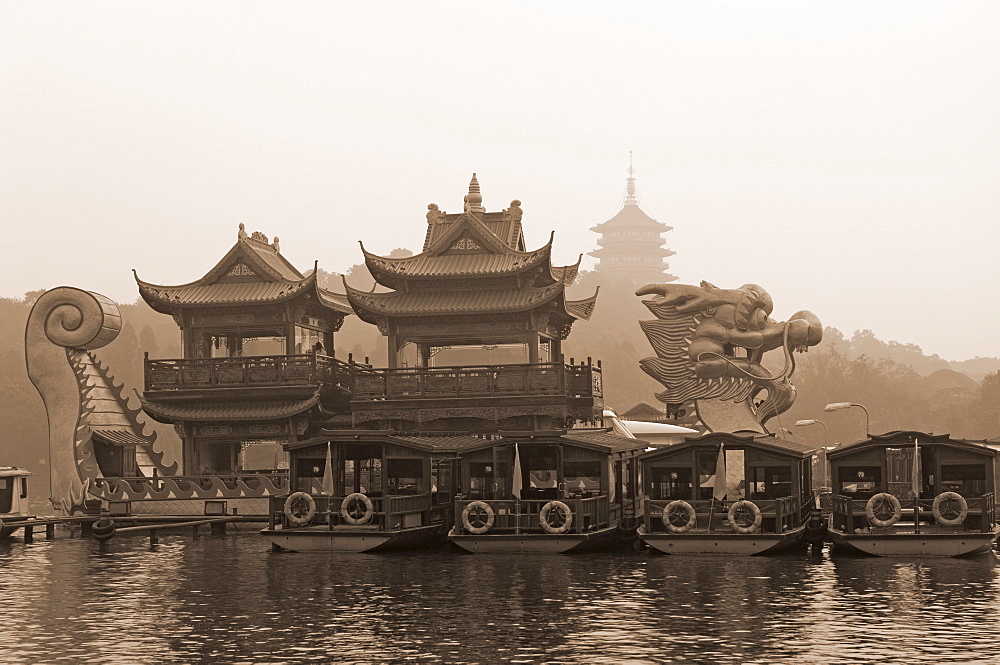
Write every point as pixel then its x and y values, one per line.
pixel 932 544
pixel 535 543
pixel 738 544
pixel 356 540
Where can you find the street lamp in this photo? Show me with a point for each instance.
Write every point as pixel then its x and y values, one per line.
pixel 805 423
pixel 838 406
pixel 824 463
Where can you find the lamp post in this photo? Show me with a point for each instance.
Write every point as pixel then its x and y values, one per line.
pixel 824 466
pixel 839 406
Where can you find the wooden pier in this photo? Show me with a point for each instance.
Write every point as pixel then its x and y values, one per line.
pixel 136 524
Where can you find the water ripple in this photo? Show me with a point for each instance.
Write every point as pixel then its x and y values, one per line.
pixel 229 599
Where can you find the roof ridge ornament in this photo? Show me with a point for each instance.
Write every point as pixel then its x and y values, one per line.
pixel 434 214
pixel 242 233
pixel 474 199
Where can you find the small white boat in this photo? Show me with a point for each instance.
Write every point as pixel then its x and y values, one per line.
pixel 13 499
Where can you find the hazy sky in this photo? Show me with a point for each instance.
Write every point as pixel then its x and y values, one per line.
pixel 845 156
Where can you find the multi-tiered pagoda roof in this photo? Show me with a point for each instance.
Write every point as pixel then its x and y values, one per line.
pixel 253 272
pixel 632 242
pixel 473 270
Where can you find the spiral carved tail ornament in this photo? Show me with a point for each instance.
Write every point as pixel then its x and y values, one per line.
pixel 64 322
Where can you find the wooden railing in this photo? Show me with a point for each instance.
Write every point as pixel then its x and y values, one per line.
pixel 185 373
pixel 849 514
pixel 386 510
pixel 511 516
pixel 477 381
pixel 777 515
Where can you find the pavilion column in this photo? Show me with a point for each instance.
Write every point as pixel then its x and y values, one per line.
pixel 556 347
pixel 393 360
pixel 533 347
pixel 424 354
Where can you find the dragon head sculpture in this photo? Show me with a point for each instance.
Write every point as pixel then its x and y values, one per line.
pixel 709 345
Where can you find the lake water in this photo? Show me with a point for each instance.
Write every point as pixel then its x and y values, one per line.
pixel 229 599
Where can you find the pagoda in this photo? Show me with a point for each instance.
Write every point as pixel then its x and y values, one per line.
pixel 632 243
pixel 474 285
pixel 257 365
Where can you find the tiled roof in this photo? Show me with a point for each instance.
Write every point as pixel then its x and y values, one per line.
pixel 456 443
pixel 223 293
pixel 504 227
pixel 450 265
pixel 631 215
pixel 263 410
pixel 398 303
pixel 582 309
pixel 121 436
pixel 605 440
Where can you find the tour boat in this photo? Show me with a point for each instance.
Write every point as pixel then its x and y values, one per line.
pixel 13 498
pixel 908 493
pixel 727 493
pixel 547 492
pixel 366 491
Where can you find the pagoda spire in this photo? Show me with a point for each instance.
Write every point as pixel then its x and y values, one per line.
pixel 474 199
pixel 630 196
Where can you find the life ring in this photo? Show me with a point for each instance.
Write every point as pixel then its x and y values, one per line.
pixel 103 529
pixel 350 509
pixel 300 508
pixel 737 511
pixel 950 508
pixel 679 516
pixel 478 517
pixel 555 510
pixel 877 506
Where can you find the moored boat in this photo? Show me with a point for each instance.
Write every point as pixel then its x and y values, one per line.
pixel 913 494
pixel 722 493
pixel 366 491
pixel 13 498
pixel 548 492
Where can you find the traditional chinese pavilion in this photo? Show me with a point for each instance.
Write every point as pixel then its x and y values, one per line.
pixel 257 366
pixel 632 243
pixel 474 285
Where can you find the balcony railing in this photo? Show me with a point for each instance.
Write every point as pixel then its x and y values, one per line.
pixel 477 381
pixel 185 373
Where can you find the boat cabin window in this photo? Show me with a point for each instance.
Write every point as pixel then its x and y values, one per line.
pixel 671 483
pixel 539 462
pixel 404 476
pixel 309 474
pixel 481 480
pixel 583 479
pixel 969 480
pixel 770 482
pixel 862 482
pixel 24 488
pixel 363 475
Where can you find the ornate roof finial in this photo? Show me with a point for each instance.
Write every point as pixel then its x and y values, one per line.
pixel 242 232
pixel 274 244
pixel 474 198
pixel 630 195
